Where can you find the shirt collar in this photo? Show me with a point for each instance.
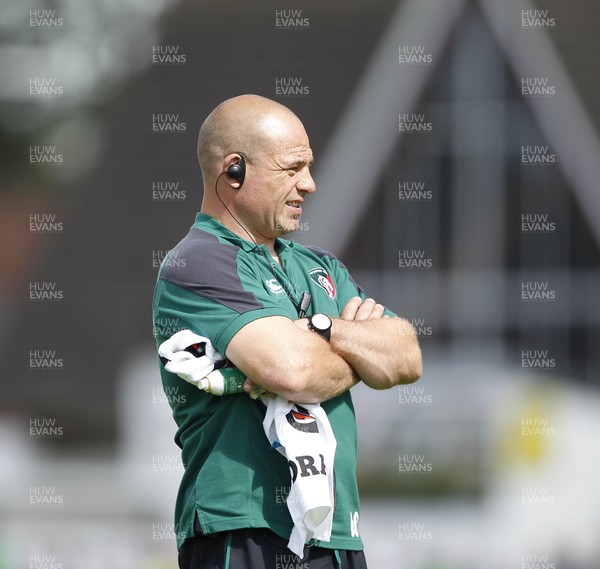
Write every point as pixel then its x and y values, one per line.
pixel 205 221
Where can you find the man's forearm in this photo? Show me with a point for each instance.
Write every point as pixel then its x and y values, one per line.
pixel 326 375
pixel 383 352
pixel 304 369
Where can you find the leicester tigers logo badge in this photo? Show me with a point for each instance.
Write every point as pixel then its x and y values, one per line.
pixel 322 278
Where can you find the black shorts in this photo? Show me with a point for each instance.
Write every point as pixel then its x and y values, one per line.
pixel 260 549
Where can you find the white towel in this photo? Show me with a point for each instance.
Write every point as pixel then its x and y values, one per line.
pixel 303 434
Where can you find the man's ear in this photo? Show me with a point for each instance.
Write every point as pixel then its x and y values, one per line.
pixel 234 167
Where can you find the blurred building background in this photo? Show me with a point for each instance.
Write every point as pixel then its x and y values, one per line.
pixel 457 161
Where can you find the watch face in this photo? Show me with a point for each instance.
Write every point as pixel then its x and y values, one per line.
pixel 321 321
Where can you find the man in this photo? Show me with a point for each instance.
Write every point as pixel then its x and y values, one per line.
pixel 233 280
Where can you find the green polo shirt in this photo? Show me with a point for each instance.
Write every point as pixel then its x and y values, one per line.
pixel 214 283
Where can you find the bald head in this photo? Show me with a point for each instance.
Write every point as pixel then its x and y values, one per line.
pixel 248 124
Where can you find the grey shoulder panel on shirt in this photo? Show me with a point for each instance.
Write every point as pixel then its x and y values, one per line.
pixel 203 265
pixel 319 252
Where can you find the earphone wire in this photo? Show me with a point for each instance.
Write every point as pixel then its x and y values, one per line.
pixel 289 295
pixel 231 214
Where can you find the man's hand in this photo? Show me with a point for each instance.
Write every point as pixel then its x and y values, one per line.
pixel 357 309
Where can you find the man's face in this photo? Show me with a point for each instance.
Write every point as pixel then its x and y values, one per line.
pixel 278 180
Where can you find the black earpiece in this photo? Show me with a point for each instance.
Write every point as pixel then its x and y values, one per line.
pixel 237 171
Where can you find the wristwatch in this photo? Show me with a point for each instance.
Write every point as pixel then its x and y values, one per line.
pixel 321 324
